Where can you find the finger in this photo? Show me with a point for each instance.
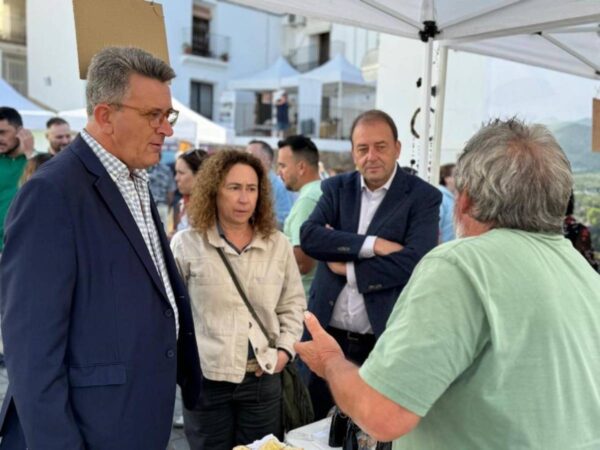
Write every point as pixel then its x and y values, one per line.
pixel 312 324
pixel 258 372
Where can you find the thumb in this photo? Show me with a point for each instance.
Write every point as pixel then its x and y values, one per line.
pixel 312 325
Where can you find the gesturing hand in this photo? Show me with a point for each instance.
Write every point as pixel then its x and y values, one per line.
pixel 322 350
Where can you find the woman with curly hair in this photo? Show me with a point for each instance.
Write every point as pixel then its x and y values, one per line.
pixel 230 211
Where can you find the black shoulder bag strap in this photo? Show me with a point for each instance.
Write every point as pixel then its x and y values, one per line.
pixel 243 295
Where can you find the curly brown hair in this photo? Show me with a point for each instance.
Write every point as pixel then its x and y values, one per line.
pixel 202 210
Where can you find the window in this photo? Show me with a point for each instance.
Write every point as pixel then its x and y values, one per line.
pixel 202 98
pixel 201 31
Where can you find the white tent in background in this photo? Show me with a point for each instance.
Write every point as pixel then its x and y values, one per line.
pixel 190 125
pixel 560 35
pixel 34 117
pixel 336 77
pixel 269 79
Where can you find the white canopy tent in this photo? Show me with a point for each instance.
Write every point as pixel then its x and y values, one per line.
pixel 190 125
pixel 560 35
pixel 34 117
pixel 338 74
pixel 269 79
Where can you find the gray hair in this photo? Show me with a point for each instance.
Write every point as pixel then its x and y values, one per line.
pixel 516 176
pixel 109 71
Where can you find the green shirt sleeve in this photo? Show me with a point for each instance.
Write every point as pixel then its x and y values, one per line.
pixel 436 330
pixel 302 209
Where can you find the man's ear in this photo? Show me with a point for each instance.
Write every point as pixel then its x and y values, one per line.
pixel 103 118
pixel 463 203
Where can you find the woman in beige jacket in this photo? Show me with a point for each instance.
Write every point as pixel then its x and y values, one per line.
pixel 231 209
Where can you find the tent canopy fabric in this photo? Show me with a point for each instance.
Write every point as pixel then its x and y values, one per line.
pixel 336 70
pixel 269 79
pixel 190 125
pixel 34 117
pixel 502 28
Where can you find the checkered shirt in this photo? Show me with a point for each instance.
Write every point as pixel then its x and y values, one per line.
pixel 134 189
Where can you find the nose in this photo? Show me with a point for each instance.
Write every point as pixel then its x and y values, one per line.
pixel 165 128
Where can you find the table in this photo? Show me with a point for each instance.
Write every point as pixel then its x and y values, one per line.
pixel 313 436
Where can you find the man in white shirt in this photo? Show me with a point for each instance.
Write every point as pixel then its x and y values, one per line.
pixel 369 230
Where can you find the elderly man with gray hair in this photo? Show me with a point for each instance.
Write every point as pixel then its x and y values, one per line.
pixel 494 342
pixel 96 321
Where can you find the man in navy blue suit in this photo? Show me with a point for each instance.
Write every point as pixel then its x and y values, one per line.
pixel 369 230
pixel 96 322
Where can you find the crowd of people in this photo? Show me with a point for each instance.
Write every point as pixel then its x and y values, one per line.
pixel 456 317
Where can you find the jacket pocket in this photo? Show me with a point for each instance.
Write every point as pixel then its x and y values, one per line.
pixel 101 375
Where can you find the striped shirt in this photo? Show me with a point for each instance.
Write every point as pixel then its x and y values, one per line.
pixel 133 186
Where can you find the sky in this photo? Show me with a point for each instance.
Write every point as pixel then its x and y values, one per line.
pixel 541 95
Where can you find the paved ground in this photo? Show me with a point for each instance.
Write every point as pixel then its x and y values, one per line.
pixel 177 442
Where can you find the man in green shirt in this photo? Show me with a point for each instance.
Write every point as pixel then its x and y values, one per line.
pixel 494 342
pixel 298 167
pixel 16 145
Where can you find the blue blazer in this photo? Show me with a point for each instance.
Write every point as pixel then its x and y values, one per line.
pixel 90 343
pixel 408 214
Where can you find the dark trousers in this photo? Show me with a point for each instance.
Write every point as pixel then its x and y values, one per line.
pixel 356 348
pixel 230 414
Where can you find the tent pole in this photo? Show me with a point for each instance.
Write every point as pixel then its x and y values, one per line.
pixel 340 121
pixel 438 127
pixel 425 110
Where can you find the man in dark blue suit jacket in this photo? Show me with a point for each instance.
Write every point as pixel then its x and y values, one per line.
pixel 96 322
pixel 369 230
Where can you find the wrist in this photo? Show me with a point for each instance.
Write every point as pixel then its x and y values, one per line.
pixel 332 365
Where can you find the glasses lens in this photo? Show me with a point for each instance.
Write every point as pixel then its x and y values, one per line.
pixel 172 116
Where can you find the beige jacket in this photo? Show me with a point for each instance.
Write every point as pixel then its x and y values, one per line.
pixel 269 275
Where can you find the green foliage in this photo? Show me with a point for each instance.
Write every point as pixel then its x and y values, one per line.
pixel 587 203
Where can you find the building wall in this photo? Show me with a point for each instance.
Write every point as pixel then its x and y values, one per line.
pixel 252 47
pixel 52 65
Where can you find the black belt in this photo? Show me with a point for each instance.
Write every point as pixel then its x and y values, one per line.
pixel 351 336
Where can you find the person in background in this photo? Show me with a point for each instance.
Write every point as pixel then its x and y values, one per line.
pixel 447 189
pixel 282 199
pixel 298 167
pixel 162 187
pixel 579 235
pixel 58 134
pixel 494 342
pixel 16 146
pixel 230 211
pixel 33 164
pixel 186 168
pixel 368 231
pixel 283 118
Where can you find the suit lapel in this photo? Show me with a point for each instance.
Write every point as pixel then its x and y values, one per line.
pixel 115 203
pixel 394 196
pixel 350 195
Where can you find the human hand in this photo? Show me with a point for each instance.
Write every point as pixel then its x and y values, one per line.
pixel 321 350
pixel 383 247
pixel 338 268
pixel 25 142
pixel 282 359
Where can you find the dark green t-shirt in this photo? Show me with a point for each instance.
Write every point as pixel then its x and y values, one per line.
pixel 11 170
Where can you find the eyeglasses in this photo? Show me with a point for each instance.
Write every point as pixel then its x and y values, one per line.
pixel 155 117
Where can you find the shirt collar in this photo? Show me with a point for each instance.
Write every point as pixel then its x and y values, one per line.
pixel 385 187
pixel 216 237
pixel 116 168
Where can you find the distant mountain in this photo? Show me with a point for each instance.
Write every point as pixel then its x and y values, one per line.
pixel 576 140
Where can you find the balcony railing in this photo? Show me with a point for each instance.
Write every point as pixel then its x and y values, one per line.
pixel 207 45
pixel 15 32
pixel 308 57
